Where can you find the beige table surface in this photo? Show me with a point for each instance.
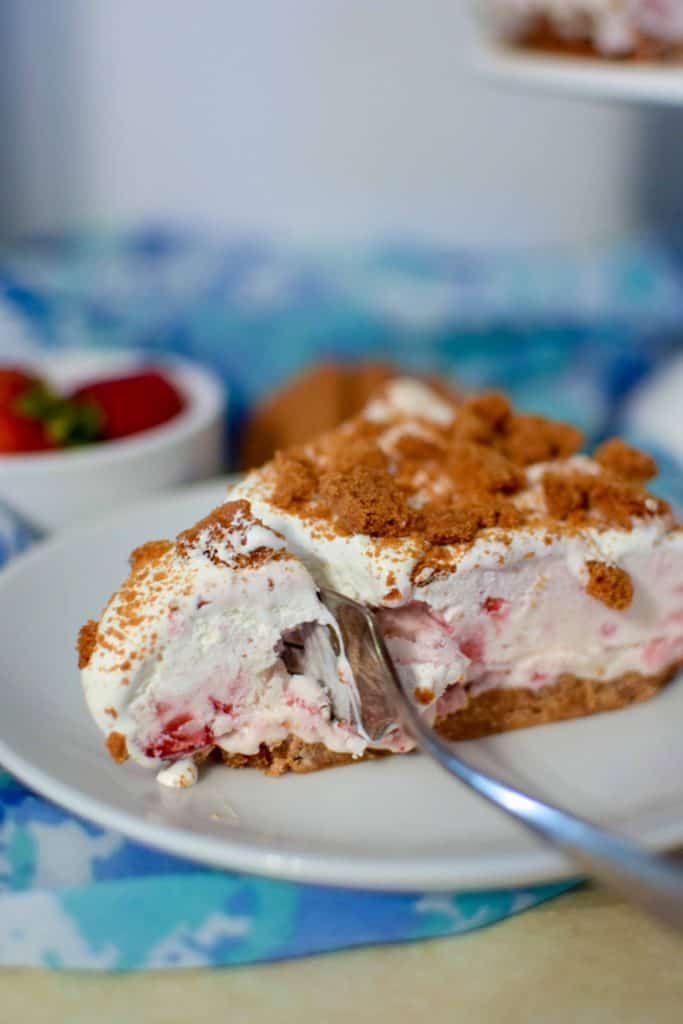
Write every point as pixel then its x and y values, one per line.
pixel 583 958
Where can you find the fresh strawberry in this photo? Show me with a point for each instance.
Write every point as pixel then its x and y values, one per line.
pixel 21 430
pixel 128 405
pixel 14 382
pixel 22 434
pixel 35 418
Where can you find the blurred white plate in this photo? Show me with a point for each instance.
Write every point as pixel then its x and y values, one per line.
pixel 579 76
pixel 399 823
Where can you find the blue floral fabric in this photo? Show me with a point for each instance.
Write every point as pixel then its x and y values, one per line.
pixel 567 334
pixel 75 896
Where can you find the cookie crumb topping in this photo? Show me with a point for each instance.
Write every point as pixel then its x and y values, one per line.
pixel 442 481
pixel 609 584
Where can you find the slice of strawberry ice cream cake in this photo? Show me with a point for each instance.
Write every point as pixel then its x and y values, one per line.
pixel 516 582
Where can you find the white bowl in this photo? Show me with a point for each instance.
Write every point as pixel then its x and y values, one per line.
pixel 55 489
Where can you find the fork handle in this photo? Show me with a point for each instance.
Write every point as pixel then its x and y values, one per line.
pixel 648 880
pixel 643 878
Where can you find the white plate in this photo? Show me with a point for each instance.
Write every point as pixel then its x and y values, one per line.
pixel 400 823
pixel 580 76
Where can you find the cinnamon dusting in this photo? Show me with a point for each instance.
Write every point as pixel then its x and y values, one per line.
pixel 149 553
pixel 423 695
pixel 219 522
pixel 217 533
pixel 87 641
pixel 116 745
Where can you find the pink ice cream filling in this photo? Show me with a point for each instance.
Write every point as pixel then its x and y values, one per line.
pixel 440 660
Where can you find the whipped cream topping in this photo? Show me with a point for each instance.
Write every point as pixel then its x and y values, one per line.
pixel 406 397
pixel 613 26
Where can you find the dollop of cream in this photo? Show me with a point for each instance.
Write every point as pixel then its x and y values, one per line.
pixel 405 396
pixel 179 775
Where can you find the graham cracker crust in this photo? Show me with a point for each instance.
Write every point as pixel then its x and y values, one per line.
pixel 544 37
pixel 293 755
pixel 501 710
pixel 492 711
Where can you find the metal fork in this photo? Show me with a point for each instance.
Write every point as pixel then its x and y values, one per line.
pixel 650 881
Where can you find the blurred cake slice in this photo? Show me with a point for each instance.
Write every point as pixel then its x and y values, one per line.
pixel 517 582
pixel 640 29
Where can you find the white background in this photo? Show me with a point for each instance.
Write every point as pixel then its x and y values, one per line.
pixel 306 117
